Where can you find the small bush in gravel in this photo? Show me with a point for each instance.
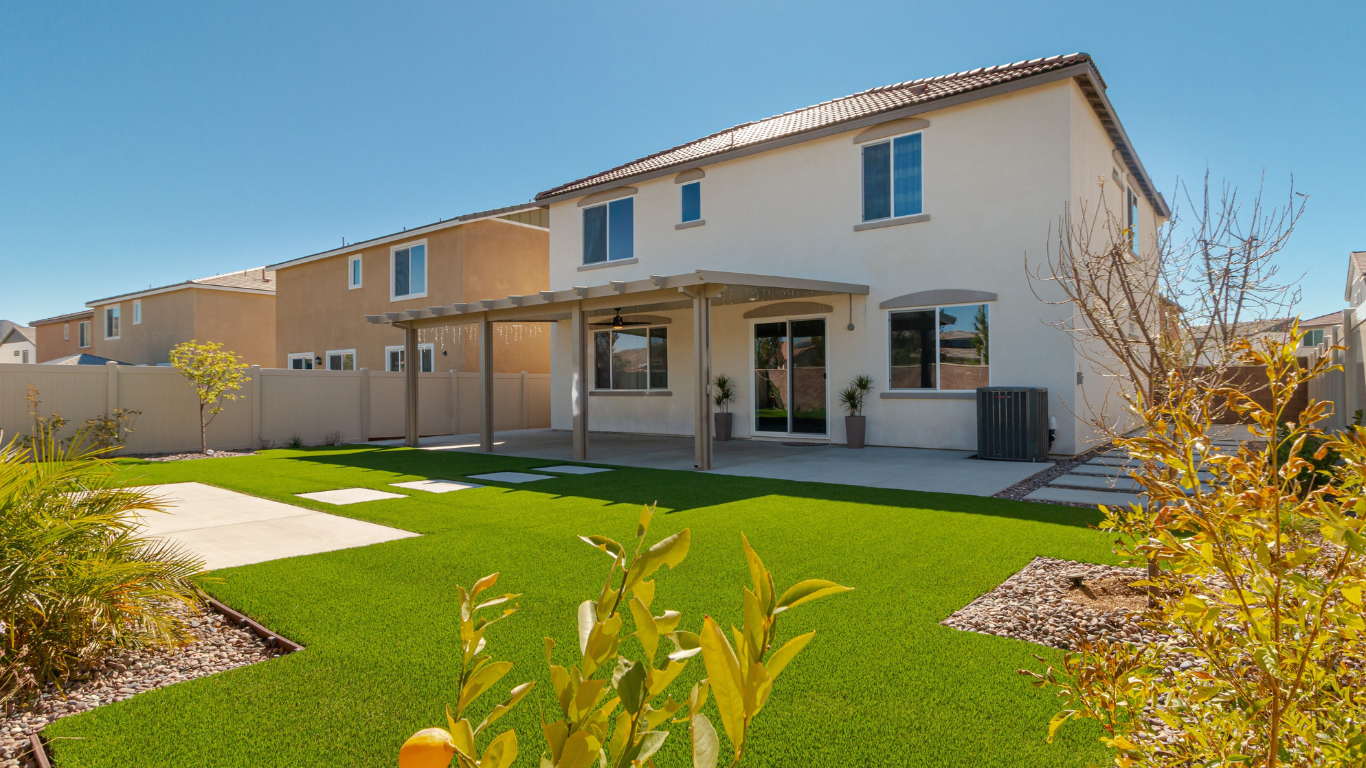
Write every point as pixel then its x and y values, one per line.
pixel 79 581
pixel 1260 659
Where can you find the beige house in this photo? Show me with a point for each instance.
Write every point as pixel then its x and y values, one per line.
pixel 63 335
pixel 236 310
pixel 16 344
pixel 322 299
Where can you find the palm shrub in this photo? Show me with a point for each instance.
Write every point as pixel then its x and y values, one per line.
pixel 723 392
pixel 614 701
pixel 1258 590
pixel 77 581
pixel 853 396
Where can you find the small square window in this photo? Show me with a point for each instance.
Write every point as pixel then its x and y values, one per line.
pixel 301 361
pixel 609 231
pixel 631 358
pixel 893 178
pixel 341 360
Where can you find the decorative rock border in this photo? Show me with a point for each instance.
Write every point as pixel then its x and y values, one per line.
pixel 282 645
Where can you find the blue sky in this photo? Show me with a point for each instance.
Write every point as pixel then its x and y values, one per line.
pixel 146 143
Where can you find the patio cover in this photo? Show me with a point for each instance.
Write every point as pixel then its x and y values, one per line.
pixel 701 289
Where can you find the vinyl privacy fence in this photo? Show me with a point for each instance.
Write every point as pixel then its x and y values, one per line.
pixel 273 406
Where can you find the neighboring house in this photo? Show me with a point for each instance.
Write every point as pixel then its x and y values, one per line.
pixel 1324 329
pixel 321 299
pixel 882 233
pixel 16 344
pixel 63 335
pixel 1354 333
pixel 236 310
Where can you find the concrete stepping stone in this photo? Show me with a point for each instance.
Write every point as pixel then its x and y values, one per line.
pixel 1114 462
pixel 1110 470
pixel 436 486
pixel 1078 496
pixel 1100 482
pixel 344 496
pixel 511 477
pixel 573 469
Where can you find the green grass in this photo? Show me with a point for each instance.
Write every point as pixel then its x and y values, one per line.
pixel 883 683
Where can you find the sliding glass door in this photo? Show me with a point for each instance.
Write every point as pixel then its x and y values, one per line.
pixel 789 377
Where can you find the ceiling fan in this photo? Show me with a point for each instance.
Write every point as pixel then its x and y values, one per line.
pixel 617 323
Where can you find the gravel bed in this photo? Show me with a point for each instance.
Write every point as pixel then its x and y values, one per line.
pixel 189 456
pixel 1042 604
pixel 218 647
pixel 1061 467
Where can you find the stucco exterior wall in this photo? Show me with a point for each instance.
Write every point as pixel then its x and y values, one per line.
pixel 244 323
pixel 167 320
pixel 50 344
pixel 317 312
pixel 997 174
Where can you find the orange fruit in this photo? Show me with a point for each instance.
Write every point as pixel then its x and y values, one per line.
pixel 428 748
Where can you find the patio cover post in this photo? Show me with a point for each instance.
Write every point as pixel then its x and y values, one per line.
pixel 702 426
pixel 578 381
pixel 486 385
pixel 411 367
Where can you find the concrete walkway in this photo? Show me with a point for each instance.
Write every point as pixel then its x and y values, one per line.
pixel 228 528
pixel 912 469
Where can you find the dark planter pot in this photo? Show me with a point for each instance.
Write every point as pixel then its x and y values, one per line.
pixel 855 429
pixel 721 425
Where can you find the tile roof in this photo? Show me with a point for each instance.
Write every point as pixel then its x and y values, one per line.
pixel 260 279
pixel 833 112
pixel 1332 318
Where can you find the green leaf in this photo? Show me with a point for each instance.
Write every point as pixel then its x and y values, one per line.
pixel 646 632
pixel 631 687
pixel 499 710
pixel 481 681
pixel 501 752
pixel 669 551
pixel 481 585
pixel 588 618
pixel 645 592
pixel 706 747
pixel 780 658
pixel 650 742
pixel 605 544
pixel 1057 721
pixel 727 683
pixel 807 591
pixel 580 751
pixel 647 513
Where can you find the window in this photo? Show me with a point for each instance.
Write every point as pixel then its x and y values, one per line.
pixel 395 357
pixel 301 361
pixel 609 231
pixel 1313 338
pixel 631 358
pixel 66 331
pixel 111 322
pixel 353 268
pixel 83 334
pixel 892 178
pixel 944 348
pixel 692 201
pixel 341 360
pixel 1133 220
pixel 137 312
pixel 23 359
pixel 409 279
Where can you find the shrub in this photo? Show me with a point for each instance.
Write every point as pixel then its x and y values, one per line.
pixel 295 442
pixel 335 437
pixel 723 392
pixel 614 702
pixel 853 396
pixel 1258 591
pixel 78 579
pixel 215 375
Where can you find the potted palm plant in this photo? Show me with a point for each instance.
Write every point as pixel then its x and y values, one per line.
pixel 722 395
pixel 851 398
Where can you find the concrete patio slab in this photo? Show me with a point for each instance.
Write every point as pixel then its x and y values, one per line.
pixel 229 529
pixel 436 486
pixel 1076 496
pixel 913 469
pixel 1098 481
pixel 512 477
pixel 572 469
pixel 343 496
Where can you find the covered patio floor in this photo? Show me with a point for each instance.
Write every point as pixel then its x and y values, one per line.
pixel 912 469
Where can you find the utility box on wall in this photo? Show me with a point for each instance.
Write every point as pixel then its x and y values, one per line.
pixel 1012 423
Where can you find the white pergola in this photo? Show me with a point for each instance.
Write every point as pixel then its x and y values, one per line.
pixel 702 289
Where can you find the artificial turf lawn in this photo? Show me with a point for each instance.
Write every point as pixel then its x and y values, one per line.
pixel 883 683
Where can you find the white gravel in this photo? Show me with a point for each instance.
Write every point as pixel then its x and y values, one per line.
pixel 219 646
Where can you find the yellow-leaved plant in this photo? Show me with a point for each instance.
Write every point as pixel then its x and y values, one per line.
pixel 435 747
pixel 1258 593
pixel 215 374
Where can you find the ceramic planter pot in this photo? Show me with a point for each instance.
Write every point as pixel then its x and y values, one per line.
pixel 721 425
pixel 855 429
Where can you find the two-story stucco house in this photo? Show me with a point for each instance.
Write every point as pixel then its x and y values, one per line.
pixel 883 233
pixel 63 335
pixel 236 310
pixel 321 299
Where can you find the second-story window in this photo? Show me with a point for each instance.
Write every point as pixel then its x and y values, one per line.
pixel 83 334
pixel 1133 219
pixel 609 231
pixel 353 270
pixel 692 202
pixel 409 278
pixel 111 323
pixel 892 178
pixel 137 312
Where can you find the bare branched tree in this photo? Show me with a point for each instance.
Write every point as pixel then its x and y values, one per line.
pixel 1174 301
